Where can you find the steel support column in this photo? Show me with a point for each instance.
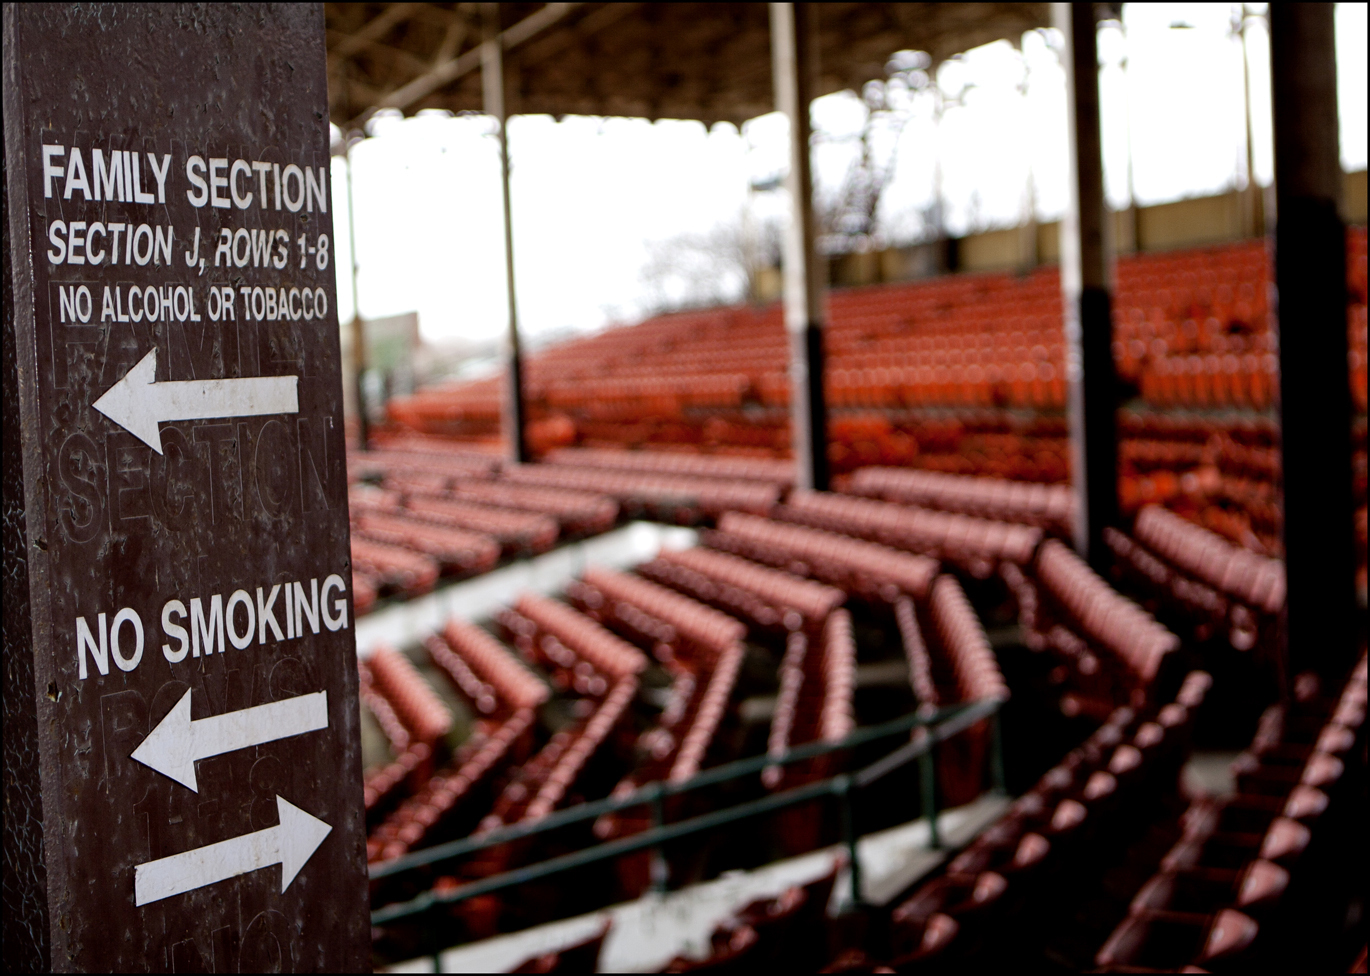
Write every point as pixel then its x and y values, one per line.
pixel 794 60
pixel 1315 396
pixel 492 80
pixel 1086 292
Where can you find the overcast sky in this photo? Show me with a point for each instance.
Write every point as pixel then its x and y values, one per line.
pixel 590 194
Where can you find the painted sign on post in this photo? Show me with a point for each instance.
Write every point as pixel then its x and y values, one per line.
pixel 182 760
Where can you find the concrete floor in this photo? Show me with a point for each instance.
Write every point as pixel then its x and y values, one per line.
pixel 1209 772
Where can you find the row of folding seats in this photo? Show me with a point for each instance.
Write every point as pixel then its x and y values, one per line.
pixel 791 675
pixel 1140 455
pixel 518 532
pixel 1046 506
pixel 698 708
pixel 916 655
pixel 694 745
pixel 836 716
pixel 978 544
pixel 504 694
pixel 523 784
pixel 389 568
pixel 985 350
pixel 778 557
pixel 958 636
pixel 417 445
pixel 483 669
pixel 669 495
pixel 607 653
pixel 987 907
pixel 1203 339
pixel 1256 461
pixel 456 550
pixel 568 672
pixel 854 565
pixel 371 465
pixel 668 396
pixel 380 783
pixel 363 593
pixel 478 693
pixel 705 466
pixel 503 508
pixel 1220 473
pixel 1183 426
pixel 700 647
pixel 1255 580
pixel 578 512
pixel 962 638
pixel 410 715
pixel 1026 385
pixel 610 712
pixel 1222 885
pixel 1079 668
pixel 1202 609
pixel 1093 612
pixel 814 704
pixel 410 757
pixel 950 663
pixel 437 407
pixel 701 624
pixel 733 600
pixel 813 600
pixel 1212 382
pixel 635 625
pixel 815 688
pixel 571 642
pixel 410 824
pixel 702 650
pixel 415 703
pixel 394 729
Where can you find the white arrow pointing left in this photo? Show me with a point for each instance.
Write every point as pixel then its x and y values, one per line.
pixel 138 403
pixel 290 844
pixel 174 746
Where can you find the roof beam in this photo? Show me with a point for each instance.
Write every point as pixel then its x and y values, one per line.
pixel 393 56
pixel 452 39
pixel 374 29
pixel 447 72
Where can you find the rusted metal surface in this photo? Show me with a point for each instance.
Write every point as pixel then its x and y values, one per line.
pixel 158 525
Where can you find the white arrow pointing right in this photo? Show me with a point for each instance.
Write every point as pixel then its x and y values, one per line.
pixel 174 746
pixel 290 844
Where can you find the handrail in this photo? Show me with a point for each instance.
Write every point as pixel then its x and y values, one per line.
pixel 957 718
pixel 657 790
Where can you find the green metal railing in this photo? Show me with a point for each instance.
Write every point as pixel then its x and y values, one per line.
pixel 936 726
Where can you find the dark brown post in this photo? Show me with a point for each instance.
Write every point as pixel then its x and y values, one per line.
pixel 794 41
pixel 28 948
pixel 1086 292
pixel 182 751
pixel 1315 396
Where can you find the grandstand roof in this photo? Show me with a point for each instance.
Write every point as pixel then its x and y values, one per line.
pixel 710 62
